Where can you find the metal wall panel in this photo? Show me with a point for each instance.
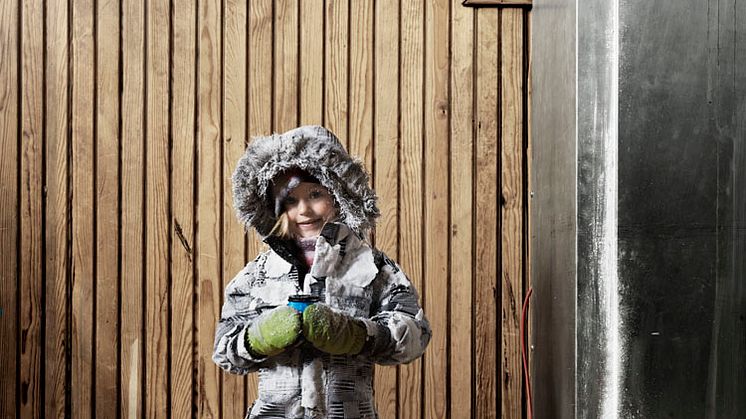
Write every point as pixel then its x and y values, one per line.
pixel 553 239
pixel 597 321
pixel 640 298
pixel 678 208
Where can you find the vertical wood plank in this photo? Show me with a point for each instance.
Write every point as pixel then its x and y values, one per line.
pixel 234 125
pixel 511 212
pixel 528 209
pixel 107 204
pixel 31 208
pixel 132 178
pixel 462 227
pixel 361 81
pixel 261 69
pixel 260 107
pixel 56 274
pixel 486 292
pixel 209 181
pixel 183 126
pixel 9 210
pixel 157 210
pixel 82 209
pixel 311 62
pixel 386 170
pixel 285 68
pixel 410 181
pixel 336 67
pixel 436 242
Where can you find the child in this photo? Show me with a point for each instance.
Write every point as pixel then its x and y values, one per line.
pixel 312 205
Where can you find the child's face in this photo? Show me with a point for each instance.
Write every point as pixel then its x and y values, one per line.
pixel 308 207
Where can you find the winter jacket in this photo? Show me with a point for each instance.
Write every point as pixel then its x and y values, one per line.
pixel 347 274
pixel 351 277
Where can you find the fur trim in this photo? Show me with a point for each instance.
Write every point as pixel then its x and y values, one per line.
pixel 317 151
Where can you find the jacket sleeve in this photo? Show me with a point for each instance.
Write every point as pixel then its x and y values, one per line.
pixel 239 310
pixel 398 330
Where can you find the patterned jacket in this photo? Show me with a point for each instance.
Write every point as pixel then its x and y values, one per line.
pixel 349 276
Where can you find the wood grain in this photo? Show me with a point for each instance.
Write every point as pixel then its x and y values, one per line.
pixel 261 70
pixel 107 208
pixel 157 254
pixel 285 67
pixel 234 132
pixel 209 206
pixel 132 224
pixel 336 41
pixel 183 218
pixel 436 146
pixel 31 248
pixel 462 206
pixel 421 91
pixel 260 109
pixel 56 234
pixel 511 214
pixel 386 167
pixel 497 3
pixel 82 210
pixel 361 82
pixel 528 330
pixel 311 55
pixel 410 181
pixel 9 113
pixel 486 213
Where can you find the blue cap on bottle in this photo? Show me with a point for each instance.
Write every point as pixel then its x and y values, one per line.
pixel 301 301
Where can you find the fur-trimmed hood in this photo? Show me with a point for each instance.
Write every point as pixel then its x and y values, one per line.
pixel 317 151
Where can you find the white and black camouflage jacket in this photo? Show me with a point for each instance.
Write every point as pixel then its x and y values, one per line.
pixel 347 274
pixel 361 282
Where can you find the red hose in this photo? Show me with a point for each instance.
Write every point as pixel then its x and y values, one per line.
pixel 529 406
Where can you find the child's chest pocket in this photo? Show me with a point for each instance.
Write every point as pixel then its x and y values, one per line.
pixel 350 289
pixel 277 281
pixel 351 299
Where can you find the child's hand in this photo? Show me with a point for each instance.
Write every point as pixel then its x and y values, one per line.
pixel 333 332
pixel 273 331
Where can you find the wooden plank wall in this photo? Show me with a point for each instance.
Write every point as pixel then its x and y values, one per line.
pixel 121 123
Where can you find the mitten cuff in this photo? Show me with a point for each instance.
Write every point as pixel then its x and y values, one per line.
pixel 378 341
pixel 245 349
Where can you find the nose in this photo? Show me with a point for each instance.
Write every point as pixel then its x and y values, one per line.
pixel 303 207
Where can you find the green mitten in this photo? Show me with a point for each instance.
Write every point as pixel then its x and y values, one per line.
pixel 273 331
pixel 333 332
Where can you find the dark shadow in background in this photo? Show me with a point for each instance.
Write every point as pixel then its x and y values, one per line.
pixel 682 208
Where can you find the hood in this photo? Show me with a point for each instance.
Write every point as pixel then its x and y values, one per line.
pixel 317 151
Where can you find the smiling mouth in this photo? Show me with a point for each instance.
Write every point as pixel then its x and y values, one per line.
pixel 308 223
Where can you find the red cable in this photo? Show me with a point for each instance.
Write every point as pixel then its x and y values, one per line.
pixel 523 355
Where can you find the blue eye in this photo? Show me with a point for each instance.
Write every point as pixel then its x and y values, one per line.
pixel 315 194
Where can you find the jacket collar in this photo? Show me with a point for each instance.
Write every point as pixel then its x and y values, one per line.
pixel 288 250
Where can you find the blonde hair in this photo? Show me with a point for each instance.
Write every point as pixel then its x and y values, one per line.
pixel 282 227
